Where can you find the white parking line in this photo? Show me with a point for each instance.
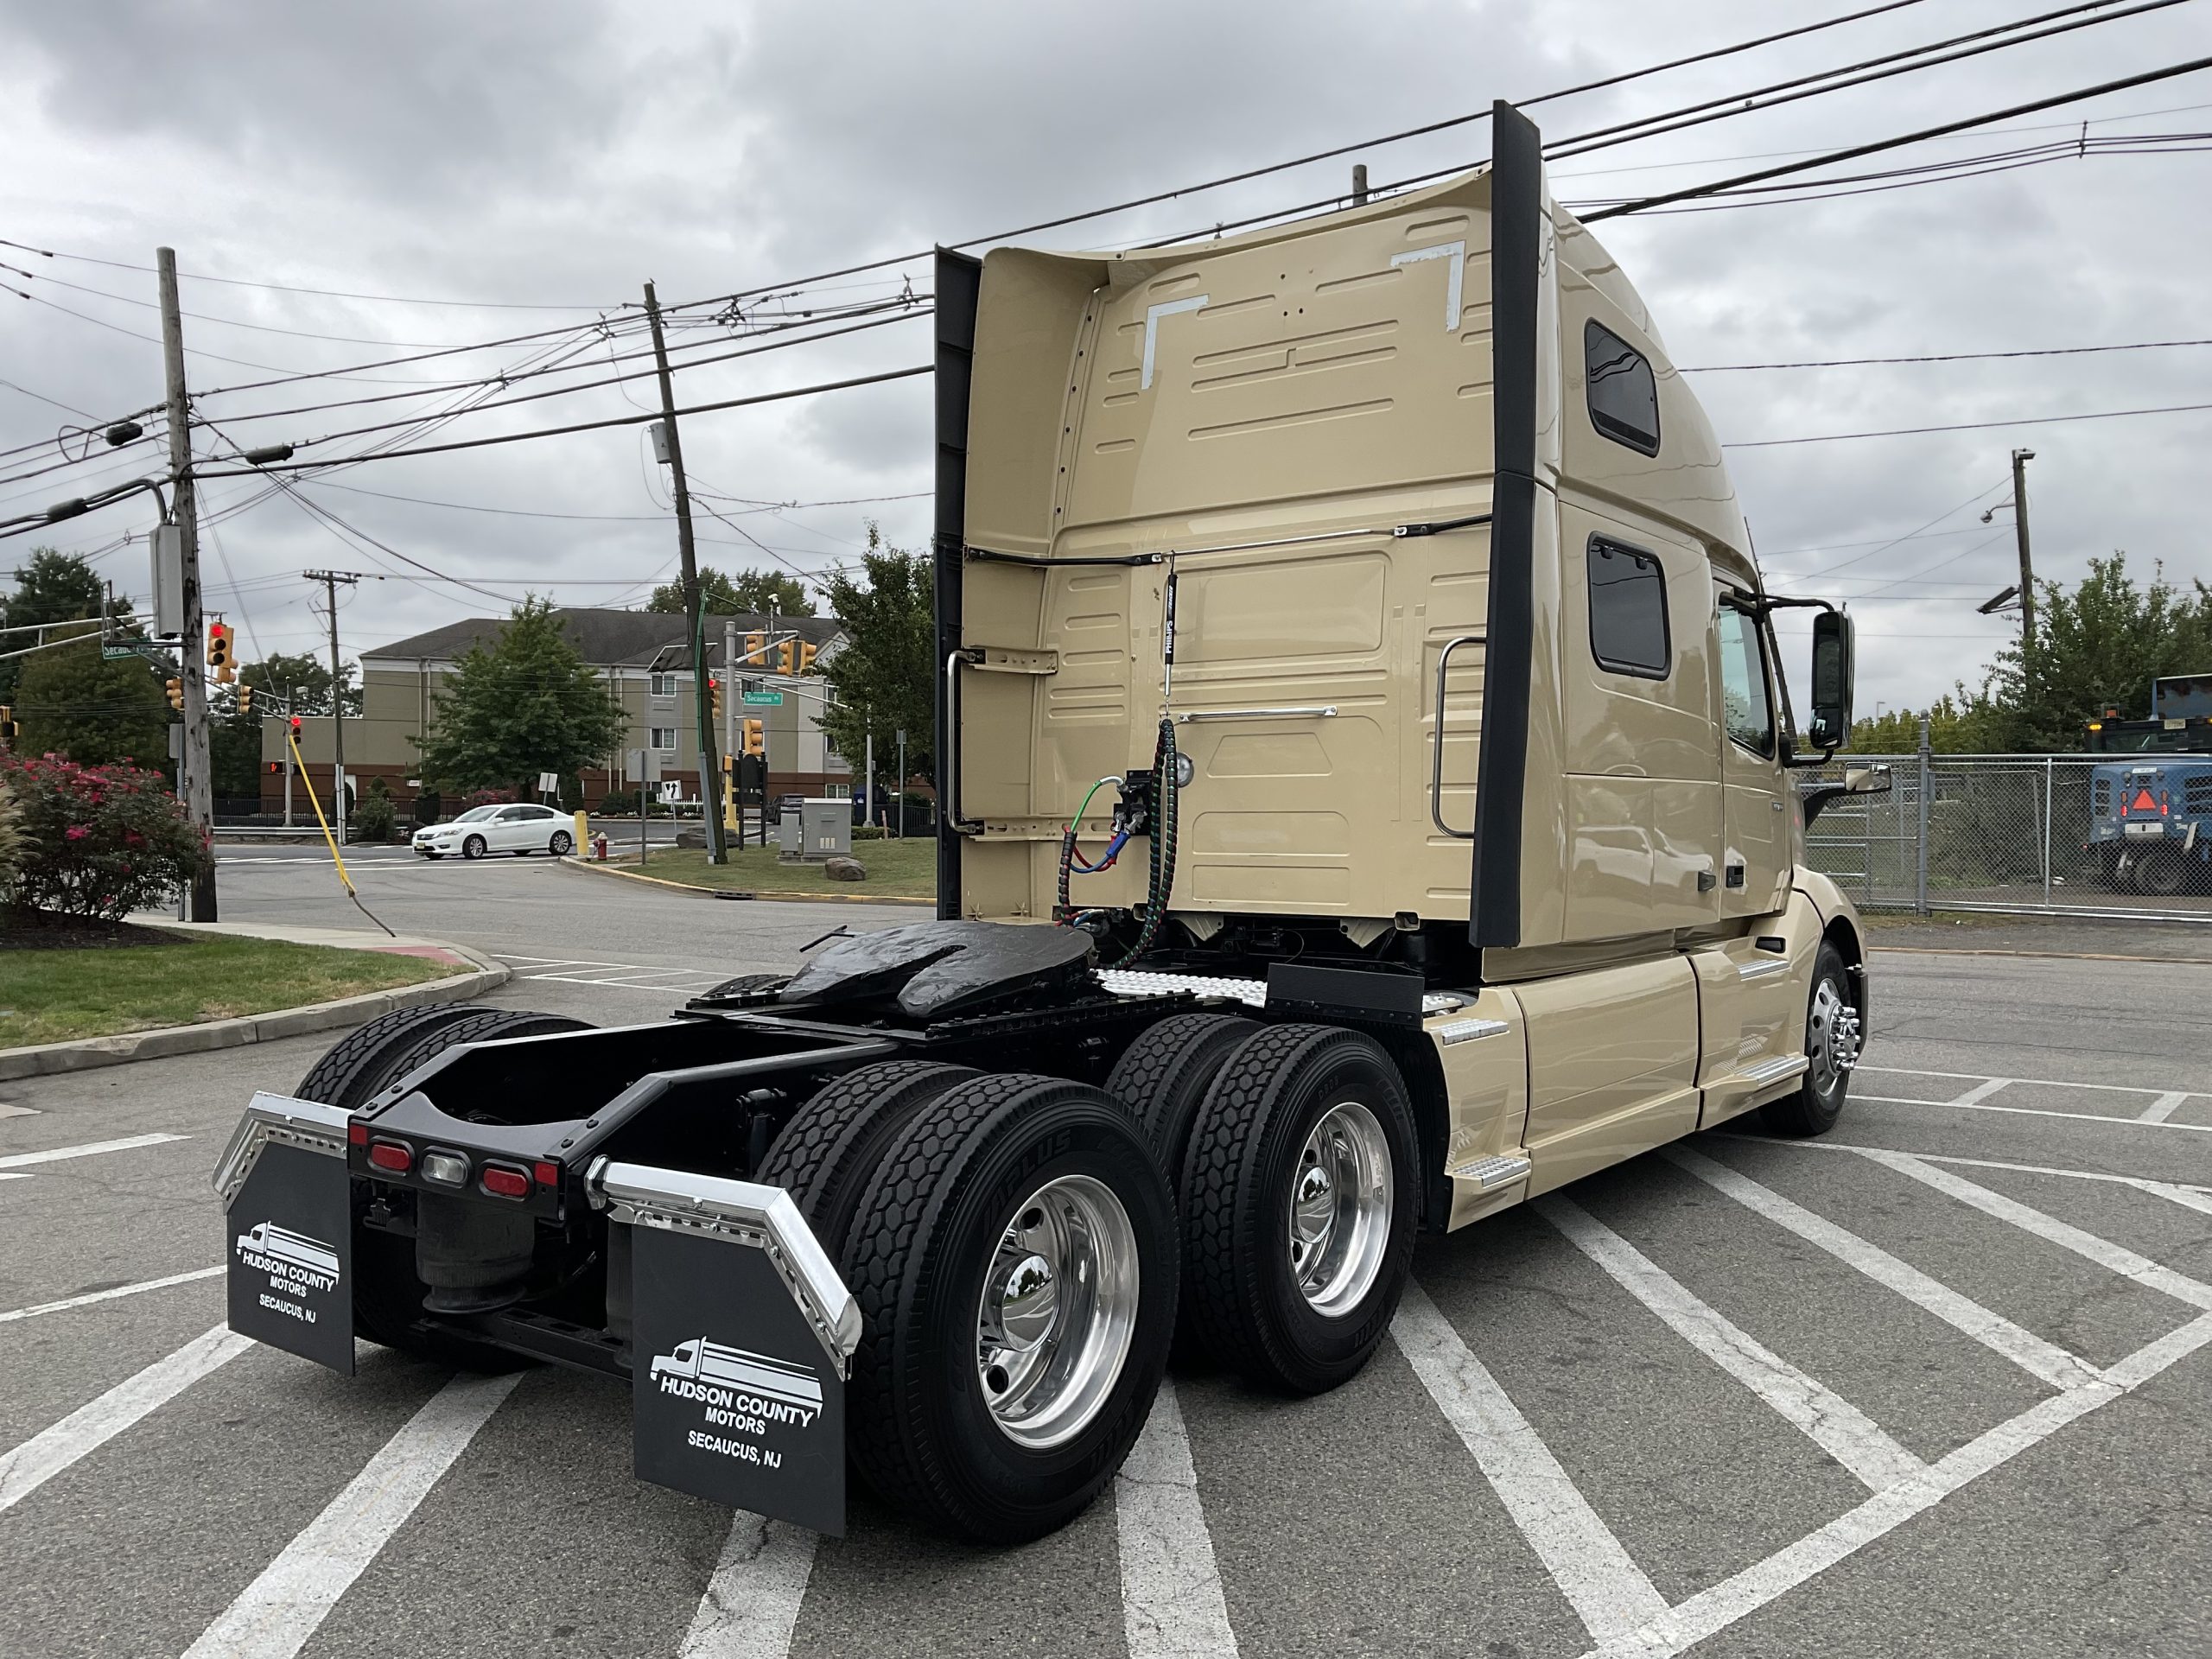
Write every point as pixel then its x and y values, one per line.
pixel 55 1154
pixel 753 1600
pixel 91 1297
pixel 1607 1590
pixel 2163 1107
pixel 1715 1608
pixel 2038 1111
pixel 1980 1091
pixel 2040 1082
pixel 84 1431
pixel 2113 1257
pixel 1172 1604
pixel 1830 1421
pixel 2022 1347
pixel 274 1616
pixel 2191 1198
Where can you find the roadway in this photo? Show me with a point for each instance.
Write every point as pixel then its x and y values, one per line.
pixel 1933 1384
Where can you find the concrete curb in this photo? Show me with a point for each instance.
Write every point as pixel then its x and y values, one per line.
pixel 87 1053
pixel 761 898
pixel 2044 956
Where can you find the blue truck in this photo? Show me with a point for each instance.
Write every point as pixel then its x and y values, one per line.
pixel 2151 814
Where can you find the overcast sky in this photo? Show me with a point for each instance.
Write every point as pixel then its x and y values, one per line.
pixel 554 156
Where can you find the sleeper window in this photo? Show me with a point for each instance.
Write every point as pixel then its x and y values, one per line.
pixel 1628 610
pixel 1743 683
pixel 1623 398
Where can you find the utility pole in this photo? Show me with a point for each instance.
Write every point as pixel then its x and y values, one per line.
pixel 709 771
pixel 2021 460
pixel 730 683
pixel 1359 184
pixel 330 579
pixel 195 772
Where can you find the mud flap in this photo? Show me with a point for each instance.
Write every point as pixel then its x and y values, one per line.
pixel 288 1229
pixel 741 1335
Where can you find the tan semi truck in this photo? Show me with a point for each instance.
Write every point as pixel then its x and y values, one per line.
pixel 1365 769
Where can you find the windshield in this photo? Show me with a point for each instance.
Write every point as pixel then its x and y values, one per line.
pixel 476 814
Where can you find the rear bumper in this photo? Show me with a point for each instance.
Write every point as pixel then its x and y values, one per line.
pixel 736 1332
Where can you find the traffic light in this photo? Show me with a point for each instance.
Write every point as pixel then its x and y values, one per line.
pixel 296 729
pixel 754 645
pixel 756 738
pixel 218 653
pixel 806 656
pixel 8 724
pixel 246 702
pixel 787 656
pixel 176 693
pixel 714 697
pixel 275 766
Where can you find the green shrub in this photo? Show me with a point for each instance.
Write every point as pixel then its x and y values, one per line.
pixel 103 841
pixel 376 816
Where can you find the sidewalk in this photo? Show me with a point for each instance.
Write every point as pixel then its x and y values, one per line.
pixel 473 975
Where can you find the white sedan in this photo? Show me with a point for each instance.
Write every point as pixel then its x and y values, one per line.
pixel 518 830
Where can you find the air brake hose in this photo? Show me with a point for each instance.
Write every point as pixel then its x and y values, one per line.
pixel 1161 882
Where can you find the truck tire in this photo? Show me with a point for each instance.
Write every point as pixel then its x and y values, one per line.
pixel 1303 1189
pixel 2161 872
pixel 1163 1077
pixel 1818 1101
pixel 353 1068
pixel 1014 1262
pixel 481 1026
pixel 826 1153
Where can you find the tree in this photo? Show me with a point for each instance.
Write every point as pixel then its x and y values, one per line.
pixel 71 700
pixel 50 586
pixel 297 679
pixel 884 675
pixel 528 704
pixel 2096 646
pixel 302 677
pixel 749 593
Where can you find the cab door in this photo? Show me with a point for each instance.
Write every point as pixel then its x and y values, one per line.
pixel 1755 869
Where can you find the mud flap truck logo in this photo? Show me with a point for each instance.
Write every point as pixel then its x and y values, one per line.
pixel 738 1392
pixel 294 1262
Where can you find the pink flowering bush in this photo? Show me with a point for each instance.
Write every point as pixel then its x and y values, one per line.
pixel 101 841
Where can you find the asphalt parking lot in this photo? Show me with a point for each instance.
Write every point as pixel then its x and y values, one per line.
pixel 1934 1385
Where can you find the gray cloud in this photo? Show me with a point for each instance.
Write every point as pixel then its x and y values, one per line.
pixel 565 151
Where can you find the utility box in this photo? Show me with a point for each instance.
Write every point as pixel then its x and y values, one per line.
pixel 815 829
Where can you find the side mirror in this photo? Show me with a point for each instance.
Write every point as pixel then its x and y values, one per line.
pixel 1866 780
pixel 1858 781
pixel 1834 667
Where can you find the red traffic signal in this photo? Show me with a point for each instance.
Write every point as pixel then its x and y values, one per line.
pixel 295 725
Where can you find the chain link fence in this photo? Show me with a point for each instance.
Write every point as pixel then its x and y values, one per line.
pixel 2024 834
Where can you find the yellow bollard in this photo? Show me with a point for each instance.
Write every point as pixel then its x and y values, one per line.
pixel 583 832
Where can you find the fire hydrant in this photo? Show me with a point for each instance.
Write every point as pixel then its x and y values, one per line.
pixel 598 846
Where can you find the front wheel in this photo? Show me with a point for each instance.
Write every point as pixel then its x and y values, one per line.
pixel 562 845
pixel 2162 873
pixel 1015 1260
pixel 1832 1036
pixel 473 847
pixel 1300 1196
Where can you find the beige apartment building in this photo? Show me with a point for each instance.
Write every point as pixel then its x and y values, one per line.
pixel 643 657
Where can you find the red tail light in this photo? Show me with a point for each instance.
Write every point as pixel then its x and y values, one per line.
pixel 504 1183
pixel 547 1174
pixel 358 1133
pixel 393 1155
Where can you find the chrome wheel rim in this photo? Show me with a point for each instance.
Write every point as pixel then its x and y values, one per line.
pixel 1340 1198
pixel 1825 1037
pixel 561 843
pixel 1057 1312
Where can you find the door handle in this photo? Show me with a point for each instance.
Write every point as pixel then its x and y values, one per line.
pixel 1436 759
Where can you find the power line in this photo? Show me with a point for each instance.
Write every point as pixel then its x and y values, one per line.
pixel 291 287
pixel 2017 32
pixel 582 426
pixel 1942 357
pixel 1845 564
pixel 613 518
pixel 1853 152
pixel 1971 426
